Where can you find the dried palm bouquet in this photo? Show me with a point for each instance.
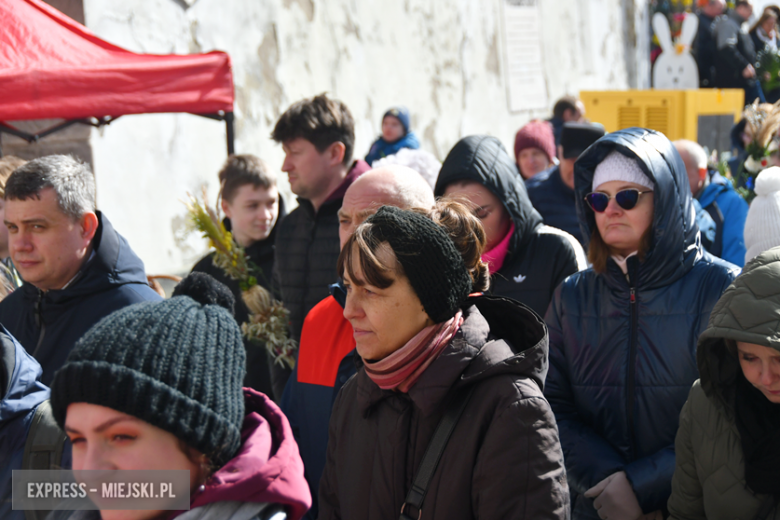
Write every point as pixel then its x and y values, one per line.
pixel 268 319
pixel 762 124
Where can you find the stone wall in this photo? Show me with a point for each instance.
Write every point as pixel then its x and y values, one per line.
pixel 444 59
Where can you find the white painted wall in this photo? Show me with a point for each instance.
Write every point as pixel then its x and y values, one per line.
pixel 442 58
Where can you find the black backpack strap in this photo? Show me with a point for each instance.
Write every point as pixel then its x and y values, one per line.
pixel 720 221
pixel 45 440
pixel 43 448
pixel 433 453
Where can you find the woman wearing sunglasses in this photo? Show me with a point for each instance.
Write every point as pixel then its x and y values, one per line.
pixel 623 333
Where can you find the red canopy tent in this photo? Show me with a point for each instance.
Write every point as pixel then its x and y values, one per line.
pixel 54 67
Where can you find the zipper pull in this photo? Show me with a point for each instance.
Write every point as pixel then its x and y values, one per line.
pixel 633 295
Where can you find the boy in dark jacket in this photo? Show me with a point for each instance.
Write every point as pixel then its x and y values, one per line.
pixel 527 259
pixel 252 207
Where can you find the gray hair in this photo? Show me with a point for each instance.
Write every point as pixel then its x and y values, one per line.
pixel 694 150
pixel 71 180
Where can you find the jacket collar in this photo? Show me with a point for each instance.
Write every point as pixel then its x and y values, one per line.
pixel 475 353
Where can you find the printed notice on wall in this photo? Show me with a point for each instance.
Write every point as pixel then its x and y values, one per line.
pixel 526 84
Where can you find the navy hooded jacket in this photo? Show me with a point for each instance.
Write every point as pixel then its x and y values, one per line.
pixel 48 324
pixel 21 394
pixel 623 353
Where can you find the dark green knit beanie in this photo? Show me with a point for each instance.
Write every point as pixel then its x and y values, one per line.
pixel 430 260
pixel 176 364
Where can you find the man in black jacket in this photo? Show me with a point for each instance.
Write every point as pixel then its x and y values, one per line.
pixel 252 207
pixel 552 191
pixel 527 259
pixel 317 136
pixel 76 267
pixel 704 47
pixel 736 54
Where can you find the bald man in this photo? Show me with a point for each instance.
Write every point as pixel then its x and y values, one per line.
pixel 326 350
pixel 721 233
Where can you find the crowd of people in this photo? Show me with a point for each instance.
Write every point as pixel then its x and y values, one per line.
pixel 460 355
pixel 730 53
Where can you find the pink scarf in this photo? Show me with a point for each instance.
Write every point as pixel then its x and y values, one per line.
pixel 495 257
pixel 401 369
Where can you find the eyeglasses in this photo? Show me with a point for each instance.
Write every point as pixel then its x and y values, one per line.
pixel 626 199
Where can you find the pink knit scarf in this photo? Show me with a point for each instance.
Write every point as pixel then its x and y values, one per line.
pixel 496 256
pixel 401 369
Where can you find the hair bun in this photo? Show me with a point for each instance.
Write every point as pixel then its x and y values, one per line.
pixel 206 290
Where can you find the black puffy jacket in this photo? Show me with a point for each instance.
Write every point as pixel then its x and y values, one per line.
pixel 623 354
pixel 539 256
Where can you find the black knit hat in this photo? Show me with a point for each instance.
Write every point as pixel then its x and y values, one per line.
pixel 430 260
pixel 577 137
pixel 176 364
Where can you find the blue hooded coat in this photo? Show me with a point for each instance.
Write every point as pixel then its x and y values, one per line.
pixel 22 393
pixel 623 349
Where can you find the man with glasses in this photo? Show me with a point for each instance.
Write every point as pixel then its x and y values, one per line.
pixel 527 259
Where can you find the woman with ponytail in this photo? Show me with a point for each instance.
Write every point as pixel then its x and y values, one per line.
pixel 427 336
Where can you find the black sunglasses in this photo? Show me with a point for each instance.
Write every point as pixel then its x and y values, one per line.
pixel 626 199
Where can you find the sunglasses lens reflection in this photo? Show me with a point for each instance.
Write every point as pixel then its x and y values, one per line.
pixel 627 199
pixel 597 201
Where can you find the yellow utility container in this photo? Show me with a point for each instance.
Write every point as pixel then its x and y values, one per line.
pixel 678 114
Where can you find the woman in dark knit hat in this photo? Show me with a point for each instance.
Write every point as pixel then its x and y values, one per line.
pixel 425 340
pixel 157 386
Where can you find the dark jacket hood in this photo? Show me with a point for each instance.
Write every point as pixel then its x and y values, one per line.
pixel 21 374
pixel 113 263
pixel 675 245
pixel 483 159
pixel 748 312
pixel 498 336
pixel 267 467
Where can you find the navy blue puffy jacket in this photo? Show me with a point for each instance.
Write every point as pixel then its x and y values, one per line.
pixel 620 372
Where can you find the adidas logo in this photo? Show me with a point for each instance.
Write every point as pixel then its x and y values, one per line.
pixel 519 278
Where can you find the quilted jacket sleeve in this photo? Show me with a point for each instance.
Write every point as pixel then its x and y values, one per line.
pixel 519 472
pixel 650 478
pixel 686 502
pixel 589 457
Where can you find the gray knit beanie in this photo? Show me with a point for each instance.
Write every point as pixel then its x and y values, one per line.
pixel 176 364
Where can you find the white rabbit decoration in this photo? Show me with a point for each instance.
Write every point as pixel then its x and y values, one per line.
pixel 675 68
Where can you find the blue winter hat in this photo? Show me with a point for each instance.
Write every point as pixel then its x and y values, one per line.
pixel 401 113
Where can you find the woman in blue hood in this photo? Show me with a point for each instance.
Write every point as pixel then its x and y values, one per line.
pixel 395 135
pixel 623 333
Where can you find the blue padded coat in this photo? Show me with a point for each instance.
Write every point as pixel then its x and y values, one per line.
pixel 623 351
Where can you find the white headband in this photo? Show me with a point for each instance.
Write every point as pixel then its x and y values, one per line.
pixel 618 167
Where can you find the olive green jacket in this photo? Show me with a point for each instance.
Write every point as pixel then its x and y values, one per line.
pixel 709 478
